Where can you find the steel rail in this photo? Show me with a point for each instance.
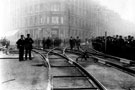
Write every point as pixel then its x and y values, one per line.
pixel 69 60
pixel 89 77
pixel 106 62
pixel 127 61
pixel 98 84
pixel 121 60
pixel 49 86
pixel 51 76
pixel 50 80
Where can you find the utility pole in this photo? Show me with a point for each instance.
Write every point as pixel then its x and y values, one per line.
pixel 105 41
pixel 68 10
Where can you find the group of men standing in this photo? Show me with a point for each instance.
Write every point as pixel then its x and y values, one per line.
pixel 74 42
pixel 46 43
pixel 24 44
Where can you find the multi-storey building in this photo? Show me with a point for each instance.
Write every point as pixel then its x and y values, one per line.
pixel 54 18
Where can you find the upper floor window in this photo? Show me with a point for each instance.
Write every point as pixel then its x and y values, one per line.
pixel 48 20
pixel 62 20
pixel 55 7
pixel 31 9
pixel 37 7
pixel 41 7
pixel 41 20
pixel 55 20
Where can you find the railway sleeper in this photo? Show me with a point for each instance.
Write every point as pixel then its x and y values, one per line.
pixel 93 88
pixel 61 66
pixel 122 68
pixel 68 76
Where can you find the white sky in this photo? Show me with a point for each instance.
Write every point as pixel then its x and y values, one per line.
pixel 6 9
pixel 126 9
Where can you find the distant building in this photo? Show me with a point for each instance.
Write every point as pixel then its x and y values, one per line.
pixel 54 18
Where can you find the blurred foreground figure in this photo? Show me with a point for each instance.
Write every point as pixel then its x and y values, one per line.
pixel 28 46
pixel 20 45
pixel 84 56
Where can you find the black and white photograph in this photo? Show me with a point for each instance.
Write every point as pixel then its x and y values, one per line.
pixel 67 45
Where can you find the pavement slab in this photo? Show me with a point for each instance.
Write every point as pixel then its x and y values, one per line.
pixel 110 77
pixel 24 75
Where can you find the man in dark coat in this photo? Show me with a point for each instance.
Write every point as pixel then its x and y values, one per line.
pixel 20 46
pixel 28 46
pixel 44 43
pixel 48 42
pixel 78 41
pixel 71 42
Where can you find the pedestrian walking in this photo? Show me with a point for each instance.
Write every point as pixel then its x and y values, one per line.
pixel 78 41
pixel 6 48
pixel 20 46
pixel 48 42
pixel 44 43
pixel 71 42
pixel 28 46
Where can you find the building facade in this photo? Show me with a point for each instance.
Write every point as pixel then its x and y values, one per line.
pixel 54 18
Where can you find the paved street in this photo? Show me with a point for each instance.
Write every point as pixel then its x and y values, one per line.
pixel 25 75
pixel 110 77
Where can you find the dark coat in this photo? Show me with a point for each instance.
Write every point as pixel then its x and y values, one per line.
pixel 28 43
pixel 71 41
pixel 78 41
pixel 20 43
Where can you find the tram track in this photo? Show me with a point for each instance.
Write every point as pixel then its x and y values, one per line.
pixel 65 74
pixel 109 60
